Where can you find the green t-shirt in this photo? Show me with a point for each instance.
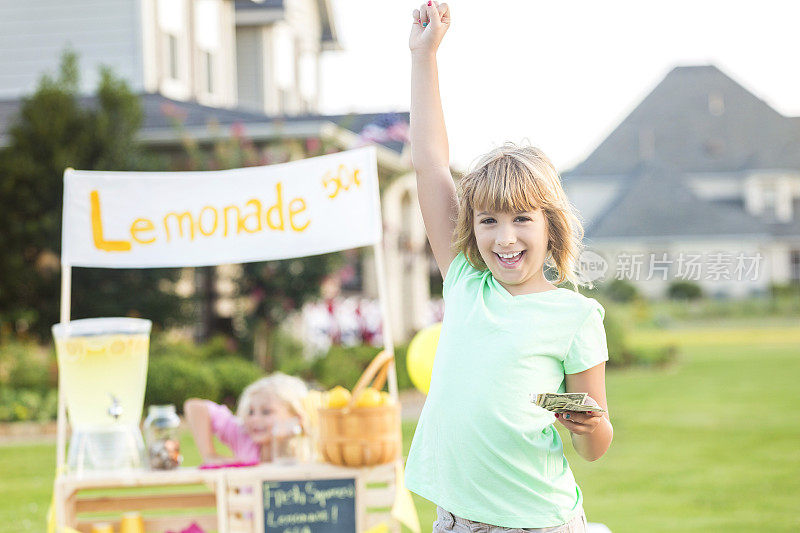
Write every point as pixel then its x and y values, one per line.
pixel 481 449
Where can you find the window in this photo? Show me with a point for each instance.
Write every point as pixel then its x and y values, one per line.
pixel 794 265
pixel 172 57
pixel 208 61
pixel 171 16
pixel 769 196
pixel 207 41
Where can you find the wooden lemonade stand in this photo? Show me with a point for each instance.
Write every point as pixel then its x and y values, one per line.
pixel 356 486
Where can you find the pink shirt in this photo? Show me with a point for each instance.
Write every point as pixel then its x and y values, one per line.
pixel 231 432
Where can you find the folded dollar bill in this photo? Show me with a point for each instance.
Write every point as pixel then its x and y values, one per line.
pixel 562 402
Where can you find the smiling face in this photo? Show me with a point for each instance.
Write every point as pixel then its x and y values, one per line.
pixel 514 247
pixel 265 411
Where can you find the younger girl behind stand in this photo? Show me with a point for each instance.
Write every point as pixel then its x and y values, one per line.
pixel 270 402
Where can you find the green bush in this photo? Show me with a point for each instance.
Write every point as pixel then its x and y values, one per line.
pixel 34 374
pixel 343 365
pixel 230 371
pixel 785 290
pixel 217 347
pixel 400 357
pixel 655 356
pixel 618 352
pixel 21 405
pixel 173 379
pixel 289 357
pixel 684 290
pixel 620 290
pixel 25 365
pixel 233 374
pixel 181 369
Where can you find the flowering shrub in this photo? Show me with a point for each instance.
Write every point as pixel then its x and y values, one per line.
pixel 350 321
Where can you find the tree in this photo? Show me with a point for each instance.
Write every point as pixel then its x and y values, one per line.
pixel 277 288
pixel 56 128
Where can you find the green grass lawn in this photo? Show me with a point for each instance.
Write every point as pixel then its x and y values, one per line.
pixel 710 443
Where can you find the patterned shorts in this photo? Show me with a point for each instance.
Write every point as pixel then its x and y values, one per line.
pixel 447 522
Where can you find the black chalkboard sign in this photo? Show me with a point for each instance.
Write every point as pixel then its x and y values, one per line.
pixel 310 506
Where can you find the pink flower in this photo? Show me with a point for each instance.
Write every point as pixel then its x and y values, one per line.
pixel 237 130
pixel 312 145
pixel 168 109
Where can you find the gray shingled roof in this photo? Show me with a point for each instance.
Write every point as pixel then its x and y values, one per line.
pixel 200 115
pixel 676 119
pixel 157 110
pixel 656 202
pixel 696 120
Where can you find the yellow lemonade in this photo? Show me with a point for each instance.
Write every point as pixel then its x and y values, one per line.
pixel 103 377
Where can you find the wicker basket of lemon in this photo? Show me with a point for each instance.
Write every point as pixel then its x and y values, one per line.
pixel 362 428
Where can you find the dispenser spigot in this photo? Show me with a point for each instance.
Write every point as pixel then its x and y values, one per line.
pixel 115 409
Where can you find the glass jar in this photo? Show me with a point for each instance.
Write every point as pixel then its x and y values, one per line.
pixel 161 437
pixel 290 444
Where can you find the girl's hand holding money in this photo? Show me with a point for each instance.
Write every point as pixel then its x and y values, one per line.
pixel 581 423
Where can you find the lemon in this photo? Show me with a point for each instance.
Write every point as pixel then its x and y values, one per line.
pixel 369 397
pixel 386 398
pixel 338 397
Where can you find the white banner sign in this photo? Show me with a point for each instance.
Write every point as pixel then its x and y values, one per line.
pixel 170 219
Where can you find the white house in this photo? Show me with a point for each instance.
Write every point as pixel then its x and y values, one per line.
pixel 278 48
pixel 262 56
pixel 219 63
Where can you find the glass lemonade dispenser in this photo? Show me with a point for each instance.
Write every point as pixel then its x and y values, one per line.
pixel 102 364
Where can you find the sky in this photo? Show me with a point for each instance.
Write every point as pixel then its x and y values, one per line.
pixel 560 75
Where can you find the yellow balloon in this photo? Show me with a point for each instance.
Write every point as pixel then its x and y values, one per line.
pixel 419 359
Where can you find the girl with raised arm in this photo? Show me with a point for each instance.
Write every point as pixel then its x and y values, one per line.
pixel 489 458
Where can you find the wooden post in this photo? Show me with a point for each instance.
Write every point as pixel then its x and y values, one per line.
pixel 61 421
pixel 61 417
pixel 383 291
pixel 221 490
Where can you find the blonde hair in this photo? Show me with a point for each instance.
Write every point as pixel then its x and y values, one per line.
pixel 515 179
pixel 287 389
